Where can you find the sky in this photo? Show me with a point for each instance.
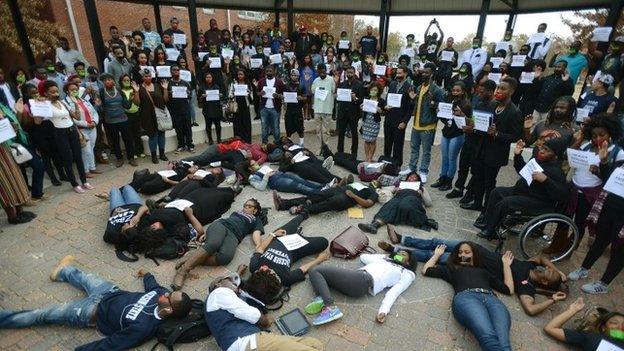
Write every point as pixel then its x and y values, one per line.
pixel 459 26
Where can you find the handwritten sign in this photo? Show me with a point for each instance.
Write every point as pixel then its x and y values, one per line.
pixel 482 120
pixel 527 77
pixel 185 75
pixel 179 39
pixel 179 204
pixel 343 94
pixel 255 63
pixel 179 92
pixel 212 95
pixel 445 110
pixel 163 71
pixel 447 56
pixel 369 106
pixel 320 94
pixel 529 168
pixel 215 62
pixel 6 130
pixel 601 34
pixel 615 184
pixel 293 241
pixel 276 59
pixel 172 54
pixel 41 108
pixel 343 44
pixel 394 100
pixel 582 159
pixel 240 90
pixel 518 60
pixel 380 70
pixel 290 97
pixel 460 121
pixel 582 114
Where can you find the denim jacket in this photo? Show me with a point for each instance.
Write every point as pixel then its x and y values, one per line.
pixel 428 113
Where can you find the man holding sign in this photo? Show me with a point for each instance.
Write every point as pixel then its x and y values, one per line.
pixel 270 90
pixel 178 36
pixel 323 89
pixel 179 106
pixel 397 117
pixel 348 111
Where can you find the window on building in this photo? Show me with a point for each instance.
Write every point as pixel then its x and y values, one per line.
pixel 208 11
pixel 251 15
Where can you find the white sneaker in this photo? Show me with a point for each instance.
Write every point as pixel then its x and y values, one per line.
pixel 595 288
pixel 328 163
pixel 423 177
pixel 580 273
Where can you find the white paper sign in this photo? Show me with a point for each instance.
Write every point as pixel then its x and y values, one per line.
pixel 201 55
pixel 179 204
pixel 607 346
pixel 275 59
pixel 167 173
pixel 496 77
pixel 582 159
pixel 289 54
pixel 408 51
pixel 294 147
pixel 189 163
pixel 179 39
pixel 582 114
pixel 320 94
pixel 445 110
pixel 290 97
pixel 172 54
pixel 529 168
pixel 518 60
pixel 265 170
pixel 527 77
pixel 537 38
pixel 215 62
pixel 601 34
pixel 212 95
pixel 185 75
pixel 215 164
pixel 300 157
pixel 447 55
pixel 482 120
pixel 293 241
pixel 409 185
pixel 376 167
pixel 201 173
pixel 369 106
pixel 150 68
pixel 459 121
pixel 357 186
pixel 379 70
pixel 394 100
pixel 502 45
pixel 240 90
pixel 357 65
pixel 41 108
pixel 163 71
pixel 179 92
pixel 615 184
pixel 343 94
pixel 6 130
pixel 266 51
pixel 343 44
pixel 496 61
pixel 255 63
pixel 268 92
pixel 227 53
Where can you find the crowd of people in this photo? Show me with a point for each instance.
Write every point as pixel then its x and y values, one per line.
pixel 66 115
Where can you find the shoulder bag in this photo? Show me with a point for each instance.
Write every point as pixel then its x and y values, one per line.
pixel 163 117
pixel 350 244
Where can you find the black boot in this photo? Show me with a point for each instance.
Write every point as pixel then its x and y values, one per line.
pixel 447 185
pixel 440 182
pixel 455 194
pixel 480 221
pixel 468 198
pixel 162 155
pixel 432 223
pixel 154 159
pixel 369 227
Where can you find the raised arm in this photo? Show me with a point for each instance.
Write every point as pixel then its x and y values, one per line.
pixel 433 261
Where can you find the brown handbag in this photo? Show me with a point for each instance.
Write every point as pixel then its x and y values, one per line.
pixel 350 244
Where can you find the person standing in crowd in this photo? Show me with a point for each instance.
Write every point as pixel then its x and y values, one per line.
pixel 323 88
pixel 179 108
pixel 464 75
pixel 211 109
pixel 476 56
pixel 10 91
pixel 577 62
pixel 241 122
pixel 137 46
pixel 368 44
pixel 39 73
pixel 303 43
pixel 348 112
pixel 120 65
pixel 410 49
pixel 445 67
pixel 270 90
pixel 432 44
pixel 396 118
pixel 68 56
pixel 550 88
pixel 19 76
pixel 152 96
pixel 131 89
pixel 183 64
pixel 293 117
pixel 115 39
pixel 372 121
pixel 114 103
pixel 600 100
pixel 491 150
pixel 53 75
pixel 613 63
pixel 426 98
pixel 174 23
pixel 152 38
pixel 213 34
pixel 540 43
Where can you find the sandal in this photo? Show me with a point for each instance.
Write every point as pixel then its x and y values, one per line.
pixel 103 196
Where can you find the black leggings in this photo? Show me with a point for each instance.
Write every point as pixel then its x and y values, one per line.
pixel 149 184
pixel 217 124
pixel 183 130
pixel 134 122
pixel 315 245
pixel 465 157
pixel 184 188
pixel 68 147
pixel 311 171
pixel 342 159
pixel 350 282
pixel 113 131
pixel 328 200
pixel 42 137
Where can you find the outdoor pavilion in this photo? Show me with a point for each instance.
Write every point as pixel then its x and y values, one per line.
pixel 382 8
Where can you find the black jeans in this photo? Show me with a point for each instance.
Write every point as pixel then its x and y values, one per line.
pixel 42 138
pixel 465 159
pixel 484 180
pixel 217 124
pixel 184 133
pixel 342 123
pixel 149 184
pixel 113 131
pixel 394 139
pixel 312 171
pixel 503 201
pixel 68 147
pixel 134 122
pixel 344 160
pixel 329 200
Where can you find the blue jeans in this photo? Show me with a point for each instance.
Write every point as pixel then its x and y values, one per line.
pixel 486 317
pixel 424 138
pixel 423 248
pixel 76 313
pixel 450 148
pixel 291 183
pixel 157 139
pixel 124 196
pixel 269 117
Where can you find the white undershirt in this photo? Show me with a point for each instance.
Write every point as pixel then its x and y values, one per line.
pixel 583 178
pixel 60 117
pixel 269 103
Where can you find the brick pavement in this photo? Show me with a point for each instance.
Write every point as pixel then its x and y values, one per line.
pixel 420 320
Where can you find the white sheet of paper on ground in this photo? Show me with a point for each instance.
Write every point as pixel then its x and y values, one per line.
pixel 537 38
pixel 150 68
pixel 179 92
pixel 482 120
pixel 167 173
pixel 179 39
pixel 293 241
pixel 190 163
pixel 255 63
pixel 496 77
pixel 201 173
pixel 266 51
pixel 172 54
pixel 180 204
pixel 290 97
pixel 581 114
pixel 227 53
pixel 376 167
pixel 496 61
pixel 445 110
pixel 608 346
pixel 212 95
pixel 6 130
pixel 380 70
pixel 369 106
pixel 357 186
pixel 294 147
pixel 518 60
pixel 320 94
pixel 343 94
pixel 527 77
pixel 601 34
pixel 582 159
pixel 447 55
pixel 460 121
pixel 185 75
pixel 300 157
pixel 343 44
pixel 201 55
pixel 529 168
pixel 41 108
pixel 289 54
pixel 265 169
pixel 215 62
pixel 394 100
pixel 240 90
pixel 215 164
pixel 163 71
pixel 409 185
pixel 268 91
pixel 275 59
pixel 615 184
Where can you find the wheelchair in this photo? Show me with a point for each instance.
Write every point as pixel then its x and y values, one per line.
pixel 535 233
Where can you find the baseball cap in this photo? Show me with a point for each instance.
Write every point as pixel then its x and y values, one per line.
pixel 606 79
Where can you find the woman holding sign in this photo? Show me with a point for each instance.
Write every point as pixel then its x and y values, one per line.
pixel 373 109
pixel 243 94
pixel 151 97
pixel 210 96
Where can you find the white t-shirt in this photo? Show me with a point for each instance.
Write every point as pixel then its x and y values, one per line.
pixel 269 103
pixel 60 117
pixel 583 178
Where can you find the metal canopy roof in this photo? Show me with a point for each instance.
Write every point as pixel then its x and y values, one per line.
pixel 396 7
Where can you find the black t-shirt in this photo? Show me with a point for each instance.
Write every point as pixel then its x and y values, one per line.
pixel 462 278
pixel 369 45
pixel 366 193
pixel 209 203
pixel 179 106
pixel 242 224
pixel 519 270
pixel 588 341
pixel 120 216
pixel 279 259
pixel 169 217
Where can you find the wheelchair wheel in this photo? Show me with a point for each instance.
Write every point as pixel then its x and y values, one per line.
pixel 537 234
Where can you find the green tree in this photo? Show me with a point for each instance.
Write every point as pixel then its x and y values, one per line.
pixel 583 23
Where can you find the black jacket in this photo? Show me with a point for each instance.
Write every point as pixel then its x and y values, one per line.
pixel 494 150
pixel 402 114
pixel 351 109
pixel 554 189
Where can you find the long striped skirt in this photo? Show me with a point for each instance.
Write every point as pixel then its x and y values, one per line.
pixel 13 188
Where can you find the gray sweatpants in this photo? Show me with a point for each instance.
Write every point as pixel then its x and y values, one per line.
pixel 221 242
pixel 350 282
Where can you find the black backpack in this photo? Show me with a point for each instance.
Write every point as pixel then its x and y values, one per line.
pixel 170 249
pixel 183 330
